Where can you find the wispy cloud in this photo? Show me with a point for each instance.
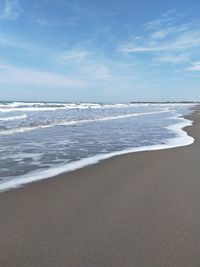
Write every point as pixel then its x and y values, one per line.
pixel 11 10
pixel 19 76
pixel 73 21
pixel 87 64
pixel 97 71
pixel 195 67
pixel 5 42
pixel 186 40
pixel 166 34
pixel 166 18
pixel 173 58
pixel 166 40
pixel 76 13
pixel 160 34
pixel 73 55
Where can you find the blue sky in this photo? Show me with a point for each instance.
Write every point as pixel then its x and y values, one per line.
pixel 81 50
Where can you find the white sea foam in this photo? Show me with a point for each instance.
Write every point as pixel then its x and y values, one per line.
pixel 76 122
pixel 27 109
pixel 24 106
pixel 181 139
pixel 40 106
pixel 18 104
pixel 24 116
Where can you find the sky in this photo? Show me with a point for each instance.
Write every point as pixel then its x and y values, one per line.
pixel 100 51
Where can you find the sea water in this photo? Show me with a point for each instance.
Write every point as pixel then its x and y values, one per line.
pixel 41 140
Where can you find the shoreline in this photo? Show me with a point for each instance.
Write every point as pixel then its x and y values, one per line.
pixel 53 172
pixel 138 209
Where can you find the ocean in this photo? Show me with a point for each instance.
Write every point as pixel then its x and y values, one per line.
pixel 41 140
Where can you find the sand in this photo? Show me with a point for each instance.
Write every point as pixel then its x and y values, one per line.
pixel 135 210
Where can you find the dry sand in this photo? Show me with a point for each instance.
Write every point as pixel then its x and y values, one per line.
pixel 135 210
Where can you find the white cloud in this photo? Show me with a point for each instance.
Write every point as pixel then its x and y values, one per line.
pixel 160 34
pixel 98 72
pixel 187 40
pixel 5 42
pixel 11 10
pixel 164 19
pixel 73 55
pixel 173 58
pixel 165 41
pixel 86 64
pixel 195 67
pixel 52 22
pixel 165 34
pixel 20 76
pixel 41 21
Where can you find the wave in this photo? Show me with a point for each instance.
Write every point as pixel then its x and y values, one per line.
pixel 13 118
pixel 181 139
pixel 76 122
pixel 18 104
pixel 40 106
pixel 24 109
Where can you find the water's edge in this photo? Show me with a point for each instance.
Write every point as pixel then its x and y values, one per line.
pixel 181 139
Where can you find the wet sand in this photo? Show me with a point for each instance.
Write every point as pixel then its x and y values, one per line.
pixel 135 210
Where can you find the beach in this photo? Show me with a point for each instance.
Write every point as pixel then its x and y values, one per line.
pixel 139 209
